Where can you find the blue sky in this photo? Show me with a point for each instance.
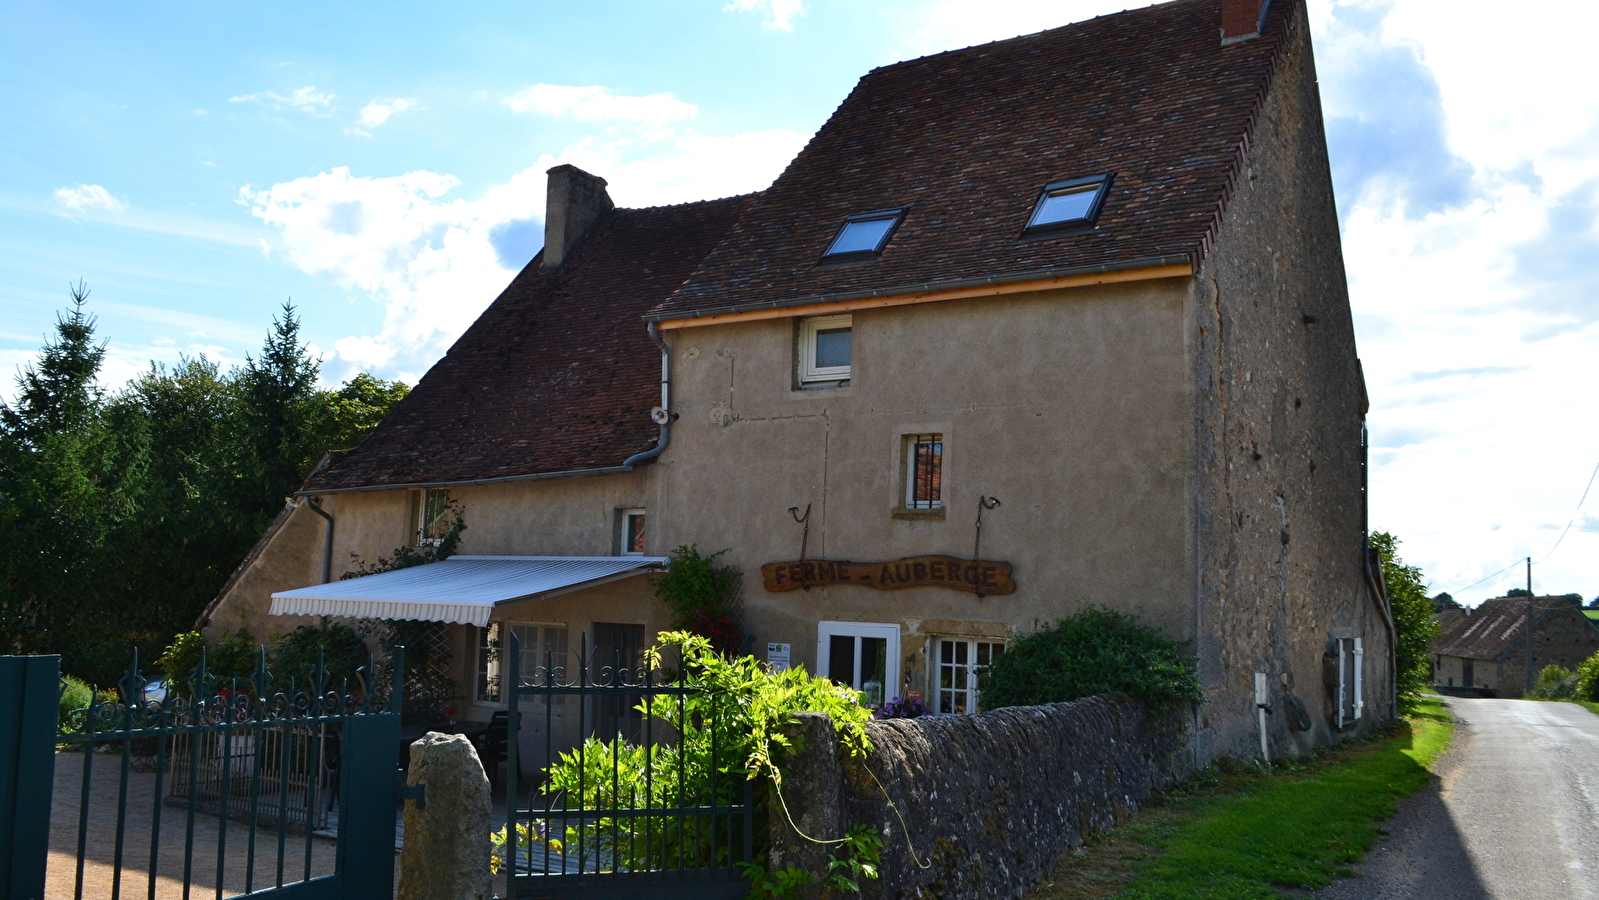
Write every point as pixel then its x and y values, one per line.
pixel 198 164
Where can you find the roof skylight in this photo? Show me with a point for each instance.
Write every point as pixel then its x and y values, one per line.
pixel 864 235
pixel 1066 204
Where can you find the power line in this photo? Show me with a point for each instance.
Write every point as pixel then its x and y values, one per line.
pixel 1574 514
pixel 1489 578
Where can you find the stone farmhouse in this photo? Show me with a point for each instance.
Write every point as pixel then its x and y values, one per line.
pixel 1048 322
pixel 1485 648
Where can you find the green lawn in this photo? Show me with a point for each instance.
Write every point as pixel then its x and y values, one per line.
pixel 1590 613
pixel 1243 833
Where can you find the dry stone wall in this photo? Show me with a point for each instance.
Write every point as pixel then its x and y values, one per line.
pixel 982 806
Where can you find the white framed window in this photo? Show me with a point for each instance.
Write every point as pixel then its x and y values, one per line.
pixel 543 646
pixel 433 516
pixel 630 534
pixel 922 462
pixel 1360 678
pixel 861 655
pixel 825 349
pixel 957 677
pixel 1351 681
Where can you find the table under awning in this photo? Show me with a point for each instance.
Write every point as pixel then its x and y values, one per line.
pixel 461 589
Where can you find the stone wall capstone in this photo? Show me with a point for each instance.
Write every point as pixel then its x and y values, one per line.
pixel 989 802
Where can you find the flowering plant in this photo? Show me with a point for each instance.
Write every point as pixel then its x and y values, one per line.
pixel 902 709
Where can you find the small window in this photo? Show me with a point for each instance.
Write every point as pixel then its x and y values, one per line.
pixel 825 349
pixel 632 533
pixel 864 235
pixel 1066 204
pixel 433 516
pixel 924 471
pixel 960 673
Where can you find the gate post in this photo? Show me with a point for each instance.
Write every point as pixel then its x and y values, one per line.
pixel 30 704
pixel 369 775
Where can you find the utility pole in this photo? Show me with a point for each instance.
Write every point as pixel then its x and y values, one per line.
pixel 1529 627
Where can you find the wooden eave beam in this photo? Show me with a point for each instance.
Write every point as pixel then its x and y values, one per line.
pixel 1151 273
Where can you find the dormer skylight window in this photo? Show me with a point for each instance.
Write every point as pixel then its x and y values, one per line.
pixel 1069 204
pixel 864 235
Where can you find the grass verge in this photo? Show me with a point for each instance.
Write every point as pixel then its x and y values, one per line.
pixel 1237 831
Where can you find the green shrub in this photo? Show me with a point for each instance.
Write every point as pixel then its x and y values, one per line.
pixel 75 695
pixel 293 656
pixel 1096 651
pixel 233 659
pixel 1555 683
pixel 1587 687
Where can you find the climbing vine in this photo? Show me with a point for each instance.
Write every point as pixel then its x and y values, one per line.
pixel 704 598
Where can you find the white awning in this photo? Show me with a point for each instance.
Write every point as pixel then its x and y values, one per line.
pixel 461 589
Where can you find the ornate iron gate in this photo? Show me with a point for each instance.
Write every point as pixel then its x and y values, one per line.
pixel 654 809
pixel 218 787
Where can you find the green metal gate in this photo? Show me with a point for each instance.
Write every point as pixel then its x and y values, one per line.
pixel 649 805
pixel 219 787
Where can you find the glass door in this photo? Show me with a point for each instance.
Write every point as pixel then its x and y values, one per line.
pixel 861 655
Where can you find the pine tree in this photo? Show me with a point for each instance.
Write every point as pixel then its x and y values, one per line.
pixel 281 412
pixel 69 485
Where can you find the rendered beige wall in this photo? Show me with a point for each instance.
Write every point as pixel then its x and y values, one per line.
pixel 1069 406
pixel 556 517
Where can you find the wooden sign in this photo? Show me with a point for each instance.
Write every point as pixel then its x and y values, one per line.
pixel 977 576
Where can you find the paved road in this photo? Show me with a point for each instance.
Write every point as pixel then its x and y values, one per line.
pixel 1513 815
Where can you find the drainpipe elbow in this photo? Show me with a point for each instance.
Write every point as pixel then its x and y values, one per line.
pixel 665 416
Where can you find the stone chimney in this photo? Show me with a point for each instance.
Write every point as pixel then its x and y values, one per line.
pixel 574 202
pixel 1241 19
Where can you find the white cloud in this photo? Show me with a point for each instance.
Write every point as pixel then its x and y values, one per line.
pixel 436 261
pixel 597 104
pixel 307 100
pixel 378 111
pixel 1473 295
pixel 780 13
pixel 89 196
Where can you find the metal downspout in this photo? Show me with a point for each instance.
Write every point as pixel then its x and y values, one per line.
pixel 665 416
pixel 1393 634
pixel 315 503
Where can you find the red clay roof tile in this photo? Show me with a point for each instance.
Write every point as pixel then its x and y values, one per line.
pixel 967 140
pixel 558 374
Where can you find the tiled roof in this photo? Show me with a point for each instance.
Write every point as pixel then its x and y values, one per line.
pixel 558 374
pixel 1493 627
pixel 967 140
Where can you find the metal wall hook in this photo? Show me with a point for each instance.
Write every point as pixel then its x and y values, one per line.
pixel 805 536
pixel 983 502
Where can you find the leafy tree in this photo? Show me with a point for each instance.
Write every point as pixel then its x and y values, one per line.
pixel 1095 651
pixel 1415 627
pixel 69 489
pixel 357 407
pixel 1444 601
pixel 1518 592
pixel 122 514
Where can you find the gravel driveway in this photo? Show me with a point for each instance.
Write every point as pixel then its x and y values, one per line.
pixel 1512 815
